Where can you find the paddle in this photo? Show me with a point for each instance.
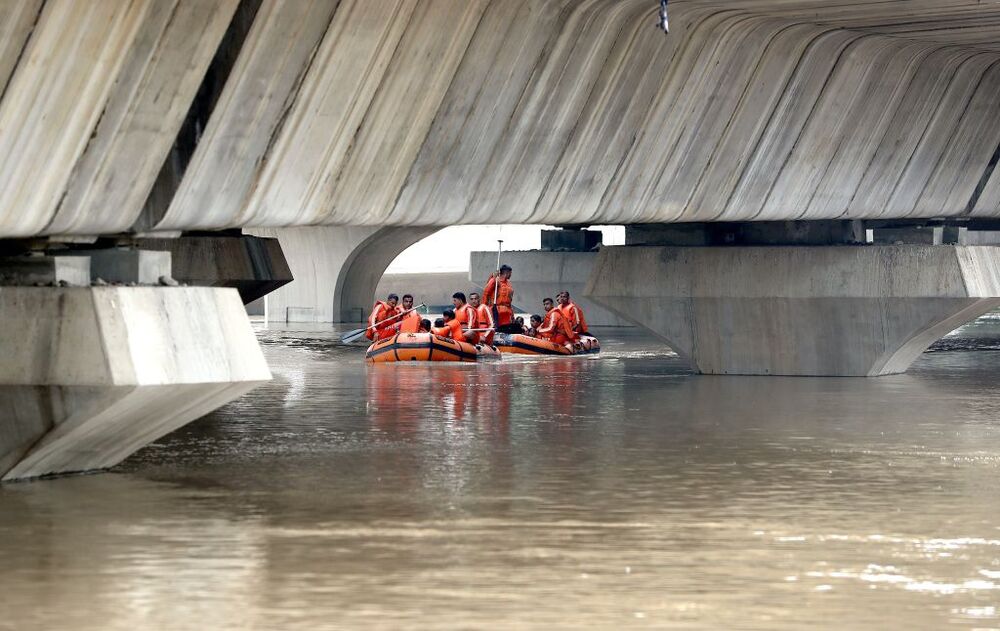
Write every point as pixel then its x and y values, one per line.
pixel 350 336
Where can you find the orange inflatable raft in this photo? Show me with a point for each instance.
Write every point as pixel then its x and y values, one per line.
pixel 427 347
pixel 527 345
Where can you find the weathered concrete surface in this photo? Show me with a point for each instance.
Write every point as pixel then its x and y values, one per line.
pixel 538 275
pixel 434 290
pixel 93 374
pixel 252 265
pixel 552 111
pixel 95 96
pixel 831 311
pixel 129 265
pixel 336 270
pixel 35 269
pixel 437 112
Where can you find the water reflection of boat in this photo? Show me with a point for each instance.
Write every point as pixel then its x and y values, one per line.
pixel 422 396
pixel 427 347
pixel 527 345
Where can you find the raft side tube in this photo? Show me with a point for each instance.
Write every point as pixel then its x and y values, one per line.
pixel 526 345
pixel 410 347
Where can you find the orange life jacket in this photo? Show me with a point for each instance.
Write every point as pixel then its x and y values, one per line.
pixel 555 328
pixel 466 315
pixel 452 329
pixel 410 323
pixel 380 312
pixel 502 288
pixel 484 317
pixel 574 314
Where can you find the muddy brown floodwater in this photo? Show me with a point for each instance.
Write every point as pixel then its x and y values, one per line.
pixel 607 492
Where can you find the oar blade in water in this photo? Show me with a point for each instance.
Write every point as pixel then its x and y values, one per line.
pixel 352 336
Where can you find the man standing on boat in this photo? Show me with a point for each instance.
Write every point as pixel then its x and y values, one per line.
pixel 484 318
pixel 555 328
pixel 499 293
pixel 572 313
pixel 466 316
pixel 381 319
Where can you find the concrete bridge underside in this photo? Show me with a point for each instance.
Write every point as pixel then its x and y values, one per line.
pixel 436 112
pixel 352 128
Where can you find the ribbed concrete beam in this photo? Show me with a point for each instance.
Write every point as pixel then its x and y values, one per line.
pixel 95 96
pixel 436 112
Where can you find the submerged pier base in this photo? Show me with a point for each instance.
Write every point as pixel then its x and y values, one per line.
pixel 91 374
pixel 852 310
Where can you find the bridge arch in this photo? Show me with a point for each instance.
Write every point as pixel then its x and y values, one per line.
pixel 336 269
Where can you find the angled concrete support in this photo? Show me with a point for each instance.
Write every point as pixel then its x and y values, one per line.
pixel 92 374
pixel 252 265
pixel 823 310
pixel 336 269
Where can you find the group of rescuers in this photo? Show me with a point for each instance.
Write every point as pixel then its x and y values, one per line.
pixel 476 320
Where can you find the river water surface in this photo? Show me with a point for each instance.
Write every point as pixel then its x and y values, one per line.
pixel 607 492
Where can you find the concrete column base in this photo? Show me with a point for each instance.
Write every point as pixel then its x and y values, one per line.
pixel 89 375
pixel 809 310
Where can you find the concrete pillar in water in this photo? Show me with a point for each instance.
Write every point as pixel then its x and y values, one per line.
pixel 92 374
pixel 799 310
pixel 336 269
pixel 539 274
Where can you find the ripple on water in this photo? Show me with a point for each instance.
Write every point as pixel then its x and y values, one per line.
pixel 600 492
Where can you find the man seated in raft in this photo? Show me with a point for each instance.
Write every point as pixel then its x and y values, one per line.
pixel 466 316
pixel 449 326
pixel 381 319
pixel 555 328
pixel 572 313
pixel 408 322
pixel 519 322
pixel 425 325
pixel 536 321
pixel 484 318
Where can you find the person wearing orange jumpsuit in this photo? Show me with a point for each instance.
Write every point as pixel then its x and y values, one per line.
pixel 380 321
pixel 450 327
pixel 499 293
pixel 555 328
pixel 408 322
pixel 484 318
pixel 466 316
pixel 572 312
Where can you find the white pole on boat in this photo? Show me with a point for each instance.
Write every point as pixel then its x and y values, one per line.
pixel 496 284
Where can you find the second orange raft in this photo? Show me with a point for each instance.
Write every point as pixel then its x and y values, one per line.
pixel 424 347
pixel 527 345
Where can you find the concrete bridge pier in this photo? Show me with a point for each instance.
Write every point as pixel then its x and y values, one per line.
pixel 336 269
pixel 93 373
pixel 835 310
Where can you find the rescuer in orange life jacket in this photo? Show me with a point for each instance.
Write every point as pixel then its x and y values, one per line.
pixel 380 322
pixel 449 326
pixel 408 322
pixel 466 316
pixel 555 328
pixel 484 318
pixel 499 293
pixel 572 313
